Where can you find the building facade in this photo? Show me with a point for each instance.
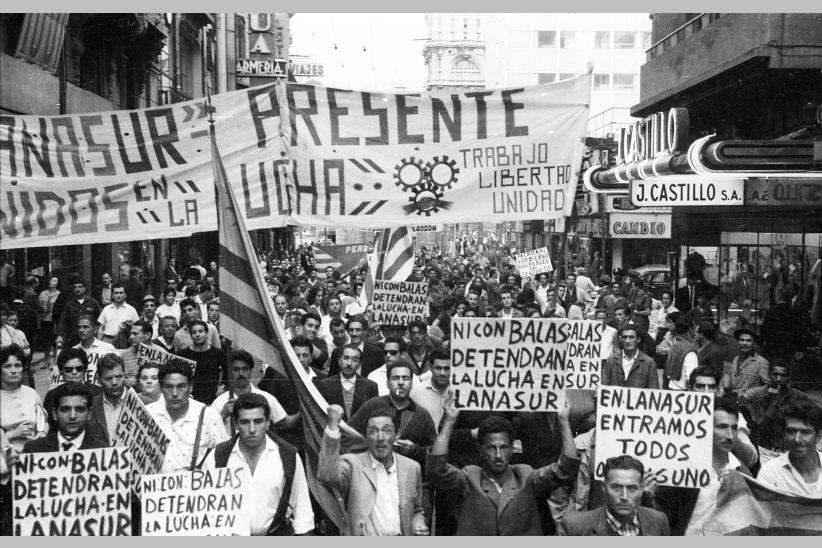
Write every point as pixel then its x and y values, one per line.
pixel 454 51
pixel 71 63
pixel 731 118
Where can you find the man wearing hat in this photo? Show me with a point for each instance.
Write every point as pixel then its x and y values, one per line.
pixel 149 307
pixel 748 369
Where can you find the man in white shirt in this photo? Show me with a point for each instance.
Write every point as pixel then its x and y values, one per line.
pixel 150 314
pixel 428 392
pixel 508 310
pixel 240 366
pixel 382 489
pixel 689 508
pixel 799 471
pixel 393 350
pixel 262 463
pixel 182 339
pixel 115 314
pixel 584 286
pixel 93 347
pixel 179 415
pixel 609 334
pixel 338 336
pixel 335 310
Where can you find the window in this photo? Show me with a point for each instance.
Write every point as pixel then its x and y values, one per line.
pixel 240 36
pixel 646 40
pixel 602 82
pixel 624 82
pixel 602 39
pixel 569 39
pixel 546 39
pixel 465 70
pixel 519 39
pixel 624 40
pixel 546 77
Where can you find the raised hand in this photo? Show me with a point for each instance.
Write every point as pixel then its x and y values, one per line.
pixel 335 415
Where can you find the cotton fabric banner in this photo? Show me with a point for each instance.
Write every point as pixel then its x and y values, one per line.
pixel 295 154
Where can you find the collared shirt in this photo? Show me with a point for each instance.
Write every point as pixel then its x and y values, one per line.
pixel 183 432
pixel 277 411
pixel 164 310
pixel 130 368
pixel 752 372
pixel 622 529
pixel 348 384
pixel 75 443
pixel 380 376
pixel 689 363
pixel 706 501
pixel 182 338
pixel 385 516
pixel 112 316
pixel 266 486
pixel 428 397
pixel 628 363
pixel 781 474
pixel 112 412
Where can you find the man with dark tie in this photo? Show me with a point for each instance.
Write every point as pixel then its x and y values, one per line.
pixel 71 412
pixel 348 389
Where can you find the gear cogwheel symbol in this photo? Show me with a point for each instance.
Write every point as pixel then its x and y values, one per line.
pixel 426 199
pixel 409 173
pixel 436 175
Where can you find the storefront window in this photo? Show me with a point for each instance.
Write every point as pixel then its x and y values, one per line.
pixel 749 272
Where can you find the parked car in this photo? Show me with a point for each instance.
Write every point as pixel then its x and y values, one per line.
pixel 657 278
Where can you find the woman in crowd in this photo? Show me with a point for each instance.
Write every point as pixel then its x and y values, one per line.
pixel 148 384
pixel 22 417
pixel 47 299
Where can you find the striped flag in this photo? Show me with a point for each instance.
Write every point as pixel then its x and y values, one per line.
pixel 393 259
pixel 247 318
pixel 745 506
pixel 41 39
pixel 344 258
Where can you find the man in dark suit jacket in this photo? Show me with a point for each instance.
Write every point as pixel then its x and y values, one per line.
pixel 685 297
pixel 111 374
pixel 622 514
pixel 371 358
pixel 642 373
pixel 347 389
pixel 70 414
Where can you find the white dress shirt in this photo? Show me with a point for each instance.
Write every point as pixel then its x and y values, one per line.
pixel 75 443
pixel 112 316
pixel 385 516
pixel 183 432
pixel 628 363
pixel 266 486
pixel 781 474
pixel 706 501
pixel 277 411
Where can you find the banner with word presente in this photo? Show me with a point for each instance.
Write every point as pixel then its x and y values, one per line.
pixel 398 303
pixel 536 261
pixel 522 364
pixel 195 503
pixel 77 493
pixel 295 154
pixel 671 432
pixel 138 431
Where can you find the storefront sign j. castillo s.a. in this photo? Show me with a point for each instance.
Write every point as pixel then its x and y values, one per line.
pixel 687 191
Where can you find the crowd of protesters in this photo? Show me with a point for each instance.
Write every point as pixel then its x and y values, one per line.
pixel 431 468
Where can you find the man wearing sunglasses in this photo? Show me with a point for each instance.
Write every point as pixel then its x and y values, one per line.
pixel 393 350
pixel 72 364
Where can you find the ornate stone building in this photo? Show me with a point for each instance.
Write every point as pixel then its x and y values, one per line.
pixel 454 51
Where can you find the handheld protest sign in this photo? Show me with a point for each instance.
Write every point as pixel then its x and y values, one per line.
pixel 398 303
pixel 533 262
pixel 670 432
pixel 522 364
pixel 78 493
pixel 195 503
pixel 156 354
pixel 138 431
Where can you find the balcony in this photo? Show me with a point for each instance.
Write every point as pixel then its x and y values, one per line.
pixel 713 50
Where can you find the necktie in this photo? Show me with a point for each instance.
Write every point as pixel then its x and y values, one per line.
pixel 692 296
pixel 67 445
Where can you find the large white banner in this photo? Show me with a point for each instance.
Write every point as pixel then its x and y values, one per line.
pixel 296 154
